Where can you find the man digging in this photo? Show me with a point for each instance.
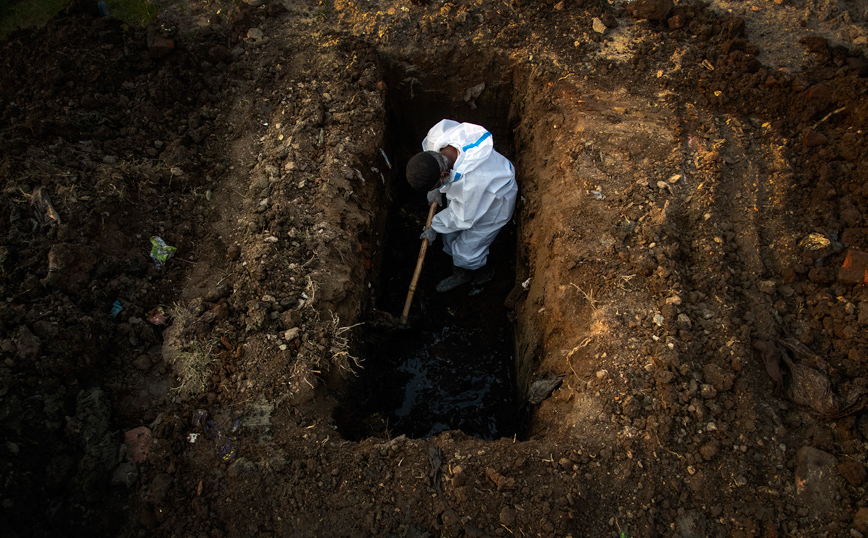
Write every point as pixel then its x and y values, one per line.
pixel 479 183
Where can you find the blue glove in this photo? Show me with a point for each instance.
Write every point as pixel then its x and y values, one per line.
pixel 435 195
pixel 429 234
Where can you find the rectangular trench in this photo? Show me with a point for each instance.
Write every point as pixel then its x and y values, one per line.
pixel 453 368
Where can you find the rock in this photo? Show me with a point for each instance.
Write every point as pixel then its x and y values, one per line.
pixel 820 94
pixel 125 473
pixel 817 482
pixel 860 520
pixel 692 524
pixel 291 334
pixel 609 20
pixel 708 450
pixel 598 26
pixel 655 10
pixel 707 391
pixel 28 345
pixel 767 286
pixel 812 138
pixel 863 313
pixel 138 443
pixel 142 362
pixel 631 407
pixel 219 53
pixel 233 252
pixel 665 377
pixel 816 44
pixel 854 270
pixel 159 488
pixel 507 516
pixel 255 34
pixel 850 214
pixel 502 482
pixel 717 377
pixel 675 22
pixel 853 472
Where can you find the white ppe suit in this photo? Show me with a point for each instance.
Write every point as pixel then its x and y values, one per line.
pixel 481 191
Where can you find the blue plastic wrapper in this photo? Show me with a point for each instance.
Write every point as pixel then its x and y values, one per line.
pixel 116 309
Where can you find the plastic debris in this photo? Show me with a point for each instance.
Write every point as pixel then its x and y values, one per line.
pixel 598 195
pixel 116 308
pixel 805 382
pixel 526 284
pixel 157 316
pixel 383 153
pixel 814 241
pixel 225 444
pixel 160 251
pixel 42 207
pixel 471 93
pixel 192 437
pixel 103 9
pixel 542 389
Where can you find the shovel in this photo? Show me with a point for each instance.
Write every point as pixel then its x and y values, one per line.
pixel 422 250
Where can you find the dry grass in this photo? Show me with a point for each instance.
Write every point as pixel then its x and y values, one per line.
pixel 194 366
pixel 192 363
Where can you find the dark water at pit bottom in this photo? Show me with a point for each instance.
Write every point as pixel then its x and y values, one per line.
pixel 454 368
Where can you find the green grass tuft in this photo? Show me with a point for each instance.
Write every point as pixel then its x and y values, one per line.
pixel 134 12
pixel 27 13
pixel 17 14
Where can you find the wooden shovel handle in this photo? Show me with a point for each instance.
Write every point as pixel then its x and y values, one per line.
pixel 422 250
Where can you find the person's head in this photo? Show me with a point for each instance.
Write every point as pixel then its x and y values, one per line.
pixel 426 169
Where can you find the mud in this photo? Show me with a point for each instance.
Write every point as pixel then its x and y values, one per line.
pixel 692 206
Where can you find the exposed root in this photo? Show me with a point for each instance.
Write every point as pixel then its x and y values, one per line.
pixel 340 347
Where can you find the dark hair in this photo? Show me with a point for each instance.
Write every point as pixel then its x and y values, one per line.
pixel 423 172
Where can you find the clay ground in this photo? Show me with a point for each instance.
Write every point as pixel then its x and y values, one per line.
pixel 691 232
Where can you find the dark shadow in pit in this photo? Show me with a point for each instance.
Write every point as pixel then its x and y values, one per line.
pixel 454 368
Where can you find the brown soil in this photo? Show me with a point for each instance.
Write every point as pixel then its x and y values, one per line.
pixel 689 195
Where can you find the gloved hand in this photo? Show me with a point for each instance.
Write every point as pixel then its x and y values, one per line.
pixel 435 195
pixel 429 234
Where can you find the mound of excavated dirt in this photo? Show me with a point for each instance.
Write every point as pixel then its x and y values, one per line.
pixel 691 262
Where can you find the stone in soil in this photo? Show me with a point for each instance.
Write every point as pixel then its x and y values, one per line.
pixel 817 481
pixel 854 270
